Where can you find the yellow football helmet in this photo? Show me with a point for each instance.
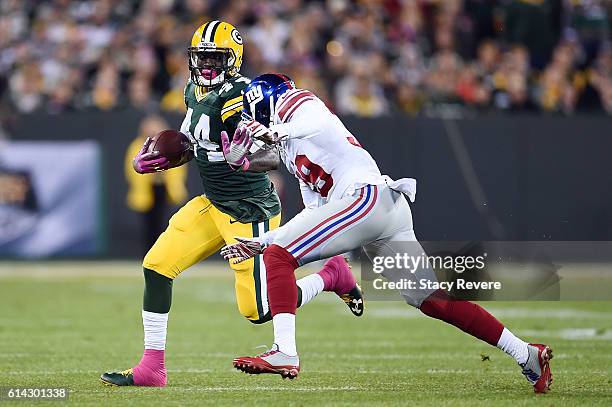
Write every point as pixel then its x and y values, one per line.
pixel 215 53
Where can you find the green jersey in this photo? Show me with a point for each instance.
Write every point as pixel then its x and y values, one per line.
pixel 246 196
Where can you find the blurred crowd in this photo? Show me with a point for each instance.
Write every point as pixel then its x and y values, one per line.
pixel 367 58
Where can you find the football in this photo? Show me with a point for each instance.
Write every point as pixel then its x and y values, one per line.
pixel 173 145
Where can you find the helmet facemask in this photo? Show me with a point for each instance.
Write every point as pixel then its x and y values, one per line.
pixel 209 67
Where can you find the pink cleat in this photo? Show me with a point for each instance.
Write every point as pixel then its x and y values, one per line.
pixel 338 277
pixel 150 371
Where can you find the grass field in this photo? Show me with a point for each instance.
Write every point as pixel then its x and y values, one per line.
pixel 62 324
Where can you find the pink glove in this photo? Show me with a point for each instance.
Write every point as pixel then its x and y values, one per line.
pixel 145 163
pixel 236 152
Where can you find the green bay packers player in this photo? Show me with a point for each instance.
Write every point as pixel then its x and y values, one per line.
pixel 238 200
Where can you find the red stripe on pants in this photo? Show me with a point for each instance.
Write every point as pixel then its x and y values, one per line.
pixel 333 232
pixel 334 216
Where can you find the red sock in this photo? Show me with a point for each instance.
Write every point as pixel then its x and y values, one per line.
pixel 282 287
pixel 467 316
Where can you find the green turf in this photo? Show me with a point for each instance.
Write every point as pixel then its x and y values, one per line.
pixel 62 327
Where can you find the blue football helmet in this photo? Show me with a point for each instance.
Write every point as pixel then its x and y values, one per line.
pixel 260 97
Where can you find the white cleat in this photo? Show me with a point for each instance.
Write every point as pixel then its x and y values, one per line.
pixel 272 361
pixel 537 368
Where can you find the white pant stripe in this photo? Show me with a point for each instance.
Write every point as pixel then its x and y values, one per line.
pixel 263 276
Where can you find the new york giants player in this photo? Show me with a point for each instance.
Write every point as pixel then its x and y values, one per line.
pixel 348 204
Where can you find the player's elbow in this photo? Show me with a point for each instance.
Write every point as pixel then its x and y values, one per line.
pixel 263 161
pixel 274 162
pixel 271 159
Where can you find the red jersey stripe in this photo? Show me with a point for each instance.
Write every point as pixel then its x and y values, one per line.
pixel 294 108
pixel 290 100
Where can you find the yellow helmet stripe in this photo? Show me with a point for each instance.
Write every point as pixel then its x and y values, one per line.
pixel 209 32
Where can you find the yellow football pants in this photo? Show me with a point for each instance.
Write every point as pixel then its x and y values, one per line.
pixel 199 230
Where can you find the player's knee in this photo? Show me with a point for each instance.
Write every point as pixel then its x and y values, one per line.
pixel 436 305
pixel 156 261
pixel 278 258
pixel 261 319
pixel 248 309
pixel 148 271
pixel 246 299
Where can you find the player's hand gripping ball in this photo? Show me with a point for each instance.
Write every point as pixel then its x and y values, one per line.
pixel 167 149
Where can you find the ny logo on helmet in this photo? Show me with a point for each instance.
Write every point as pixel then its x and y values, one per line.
pixel 254 95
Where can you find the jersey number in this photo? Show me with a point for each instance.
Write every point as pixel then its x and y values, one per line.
pixel 201 135
pixel 313 175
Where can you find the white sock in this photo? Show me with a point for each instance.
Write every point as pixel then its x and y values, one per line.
pixel 513 346
pixel 155 327
pixel 284 333
pixel 311 286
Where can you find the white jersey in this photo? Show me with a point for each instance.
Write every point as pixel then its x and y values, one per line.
pixel 326 158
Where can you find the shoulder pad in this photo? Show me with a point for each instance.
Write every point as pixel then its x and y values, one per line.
pixel 233 87
pixel 290 101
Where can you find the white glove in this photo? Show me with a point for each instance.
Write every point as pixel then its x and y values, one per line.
pixel 258 131
pixel 236 152
pixel 272 135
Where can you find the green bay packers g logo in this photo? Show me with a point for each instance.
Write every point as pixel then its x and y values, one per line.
pixel 236 36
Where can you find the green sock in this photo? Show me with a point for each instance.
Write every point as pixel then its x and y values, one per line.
pixel 157 293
